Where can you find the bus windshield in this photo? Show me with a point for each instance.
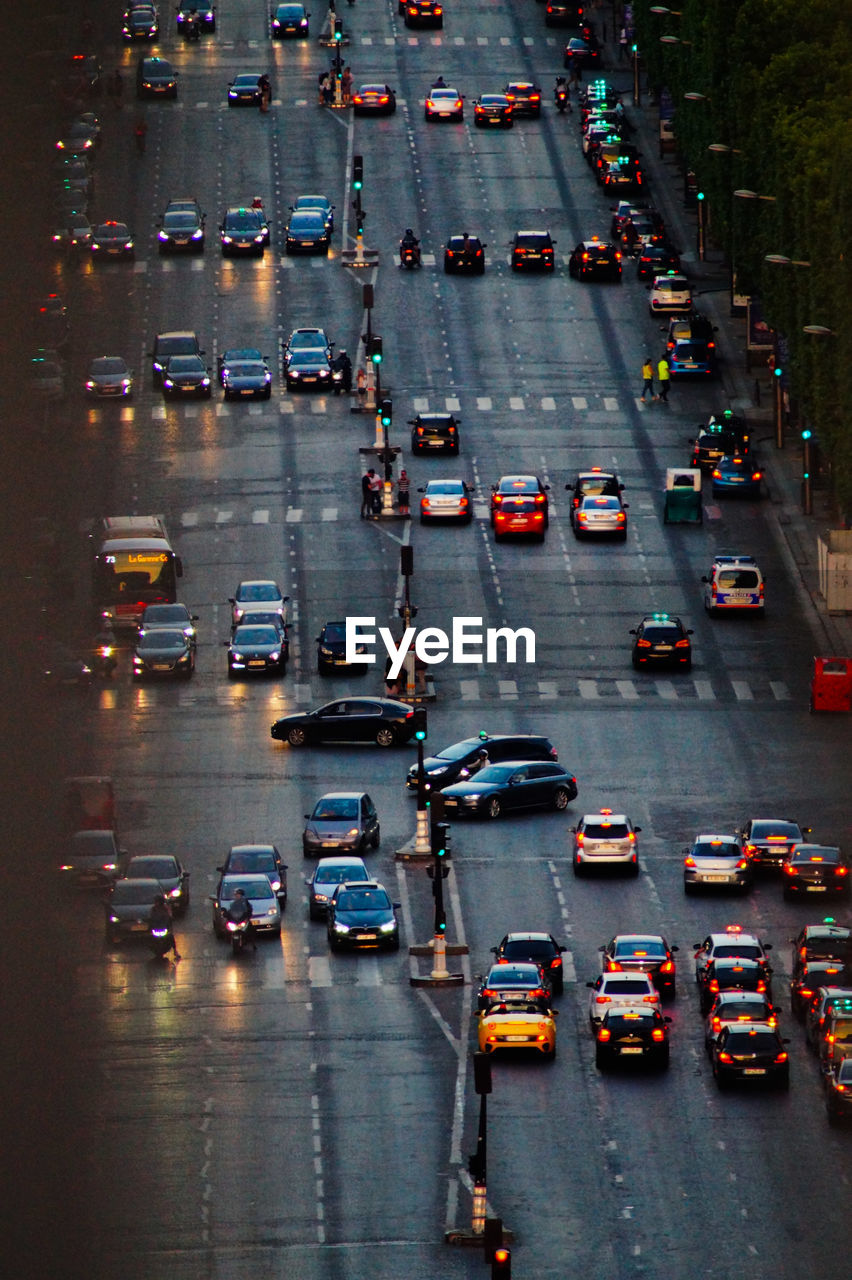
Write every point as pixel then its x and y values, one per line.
pixel 135 577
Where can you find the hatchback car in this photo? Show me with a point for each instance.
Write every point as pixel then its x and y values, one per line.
pixel 290 21
pixel 492 110
pixel 181 231
pixel 258 859
pixel 444 104
pixel 605 839
pixel 621 990
pixel 835 1043
pixel 128 908
pixel 257 593
pixel 140 23
pixel 541 949
pixel 177 342
pixel 661 639
pixel 245 90
pixel 815 869
pixel 169 871
pixel 737 474
pixel 734 973
pixel 838 1092
pixel 434 433
pixel 600 515
pixel 628 1037
pixel 581 52
pixel 244 231
pixel 721 435
pixel 518 980
pixel 732 1007
pixel 811 978
pixel 384 721
pixel 750 1051
pixel 331 651
pixel 446 500
pixel 825 941
pixel 266 909
pixel 595 260
pixel 316 202
pixel 327 875
pixel 693 358
pixel 716 862
pixel 75 232
pixel 156 78
pixel 823 1002
pixel 255 649
pixel 307 232
pixel 109 376
pixel 731 943
pixel 112 240
pixel 362 915
pixel 374 99
pixel 92 858
pixel 671 292
pixel 655 260
pixel 464 254
pixel 165 652
pixel 519 504
pixel 345 820
pixel 525 97
pixel 186 376
pixel 516 784
pixel 734 582
pixel 463 759
pixel 532 251
pixel 768 842
pixel 517 1026
pixel 246 380
pixel 642 953
pixel 593 483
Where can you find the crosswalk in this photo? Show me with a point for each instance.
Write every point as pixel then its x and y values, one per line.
pixel 300 262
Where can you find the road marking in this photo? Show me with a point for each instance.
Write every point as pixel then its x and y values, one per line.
pixel 222 517
pixel 548 689
pixel 294 515
pixel 627 689
pixel 780 690
pixel 302 692
pixel 704 689
pixel 548 404
pixel 260 517
pixel 329 514
pixel 742 689
pixel 469 690
pixel 508 689
pixel 484 404
pixel 666 690
pixel 579 402
pixel 369 973
pixel 610 404
pixel 420 404
pixel 452 404
pixel 516 403
pixel 319 971
pixel 588 688
pixel 189 519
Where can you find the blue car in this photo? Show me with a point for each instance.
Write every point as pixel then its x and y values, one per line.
pixel 737 473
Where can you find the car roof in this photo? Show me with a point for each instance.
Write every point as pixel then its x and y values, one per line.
pixel 342 860
pixel 246 877
pixel 639 937
pixel 341 795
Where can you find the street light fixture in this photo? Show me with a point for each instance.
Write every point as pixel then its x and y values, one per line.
pixel 819 331
pixel 778 260
pixel 675 40
pixel 742 193
pixel 720 149
pixel 697 97
pixel 661 11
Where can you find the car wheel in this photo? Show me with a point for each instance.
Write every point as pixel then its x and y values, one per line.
pixel 688 889
pixel 600 1060
pixel 834 1117
pixel 561 798
pixel 493 808
pixel 579 869
pixel 376 838
pixel 663 1060
pixel 784 1081
pixel 296 737
pixel 633 869
pixel 636 664
pixel 386 736
pixel 722 1081
pixel 313 914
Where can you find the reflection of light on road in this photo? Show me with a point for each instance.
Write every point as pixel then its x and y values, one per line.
pixel 142 698
pixel 108 699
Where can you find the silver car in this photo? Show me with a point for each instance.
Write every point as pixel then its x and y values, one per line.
pixel 715 861
pixel 621 990
pixel 257 593
pixel 266 912
pixel 342 820
pixel 109 376
pixel 328 874
pixel 605 838
pixel 600 514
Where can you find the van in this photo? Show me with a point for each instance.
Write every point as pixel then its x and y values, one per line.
pixel 836 1040
pixel 734 582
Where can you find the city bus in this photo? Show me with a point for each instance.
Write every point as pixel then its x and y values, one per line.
pixel 134 565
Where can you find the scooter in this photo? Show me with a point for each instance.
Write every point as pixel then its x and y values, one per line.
pixel 409 256
pixel 160 941
pixel 103 661
pixel 239 931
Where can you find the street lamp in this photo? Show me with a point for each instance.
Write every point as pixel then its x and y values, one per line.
pixel 697 97
pixel 778 260
pixel 819 331
pixel 742 193
pixel 675 40
pixel 661 11
pixel 719 149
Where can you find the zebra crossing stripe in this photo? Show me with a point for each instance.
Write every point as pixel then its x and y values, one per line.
pixel 780 690
pixel 704 689
pixel 469 690
pixel 627 689
pixel 742 690
pixel 588 689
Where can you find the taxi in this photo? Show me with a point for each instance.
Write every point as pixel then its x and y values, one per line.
pixel 732 943
pixel 519 504
pixel 671 292
pixel 734 582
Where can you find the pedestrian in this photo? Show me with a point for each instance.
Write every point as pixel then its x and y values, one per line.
pixel 647 379
pixel 376 490
pixel 403 492
pixel 622 45
pixel 265 92
pixel 346 83
pixel 630 236
pixel 321 78
pixel 664 377
pixel 327 90
pixel 365 492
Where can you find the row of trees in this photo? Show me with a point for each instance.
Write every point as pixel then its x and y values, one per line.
pixel 768 111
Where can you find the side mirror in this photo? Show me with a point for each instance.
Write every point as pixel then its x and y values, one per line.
pixel 494 950
pixel 637 829
pixel 590 984
pixel 231 600
pixel 307 817
pixel 633 631
pixel 561 949
pixel 673 949
pixel 767 946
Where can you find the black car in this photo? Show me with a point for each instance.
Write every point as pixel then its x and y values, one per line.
pixel 244 231
pixel 768 842
pixel 516 784
pixel 595 260
pixel 638 212
pixel 128 908
pixel 155 78
pixel 594 483
pixel 808 979
pixel 186 376
pixel 540 949
pixel 307 232
pixel 750 1051
pixel 255 649
pixel 466 254
pixel 178 342
pixel 331 651
pixel 732 973
pixel 361 914
pixel 838 1092
pixel 463 759
pixel 422 13
pixel 642 953
pixel 492 109
pixel 290 21
pixel 632 1036
pixel 112 240
pixel 655 260
pixel 719 437
pixel 205 15
pixel 140 23
pixel 661 640
pixel 815 869
pixel 163 652
pixel 563 13
pixel 246 380
pixel 525 97
pixel 160 617
pixel 181 231
pixel 533 251
pixel 236 355
pixel 245 90
pixel 520 980
pixel 434 433
pixel 824 941
pixel 258 859
pixel 169 871
pixel 61 667
pixel 581 52
pixel 384 721
pixel 308 369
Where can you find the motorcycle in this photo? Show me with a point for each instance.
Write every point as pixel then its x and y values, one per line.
pixel 192 28
pixel 103 661
pixel 560 96
pixel 240 932
pixel 160 941
pixel 409 256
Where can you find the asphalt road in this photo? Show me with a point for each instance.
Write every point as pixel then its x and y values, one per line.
pixel 305 1115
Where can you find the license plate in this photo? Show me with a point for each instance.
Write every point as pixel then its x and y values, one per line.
pixel 110 391
pixel 754 1071
pixel 309 379
pixel 181 242
pixel 450 804
pixel 816 888
pixel 329 844
pixel 138 926
pixel 257 662
pixel 246 391
pixel 368 937
pixel 663 648
pixel 160 666
pixel 88 877
pixel 516 1039
pixel 716 879
pixel 114 250
pixel 631 1049
pixel 434 444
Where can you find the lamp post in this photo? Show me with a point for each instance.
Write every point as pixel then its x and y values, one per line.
pixel 661 11
pixel 779 260
pixel 816 331
pixel 742 193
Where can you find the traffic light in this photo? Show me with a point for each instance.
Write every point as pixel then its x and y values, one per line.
pixel 492 1237
pixel 699 195
pixel 406 562
pixel 357 173
pixel 482 1073
pixel 386 412
pixel 420 725
pixel 777 371
pixel 501 1264
pixel 376 351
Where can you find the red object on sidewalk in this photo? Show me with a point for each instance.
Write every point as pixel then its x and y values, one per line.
pixel 831 687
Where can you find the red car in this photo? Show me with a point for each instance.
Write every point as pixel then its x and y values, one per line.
pixel 519 504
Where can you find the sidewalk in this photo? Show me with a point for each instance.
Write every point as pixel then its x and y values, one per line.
pixel 796 534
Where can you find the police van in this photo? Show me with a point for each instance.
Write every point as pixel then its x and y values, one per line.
pixel 734 582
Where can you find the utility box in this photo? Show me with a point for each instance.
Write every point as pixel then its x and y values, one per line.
pixel 835 569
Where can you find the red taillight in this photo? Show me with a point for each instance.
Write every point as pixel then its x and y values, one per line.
pixel 714 985
pixel 556 962
pixel 606 1000
pixel 742 864
pixel 682 644
pixel 804 991
pixel 725 1057
pixel 643 644
pixel 580 838
pixel 781 1057
pixel 604 1033
pixel 689 862
pixel 409 714
pixel 613 966
pixel 650 999
pixel 717 1024
pixel 658 1034
pixel 788 869
pixel 668 967
pixel 761 985
pixel 841 871
pixel 488 994
pixel 631 836
pixel 717 475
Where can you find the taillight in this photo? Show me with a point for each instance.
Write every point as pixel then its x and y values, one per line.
pixel 613 966
pixel 788 869
pixel 682 644
pixel 689 862
pixel 488 994
pixel 841 871
pixel 606 1000
pixel 650 999
pixel 604 1034
pixel 781 1057
pixel 556 962
pixel 668 967
pixel 643 644
pixel 717 475
pixel 714 985
pixel 761 985
pixel 658 1034
pixel 580 838
pixel 742 865
pixel 631 836
pixel 717 1024
pixel 725 1057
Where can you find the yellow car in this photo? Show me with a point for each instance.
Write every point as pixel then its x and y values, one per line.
pixel 518 1026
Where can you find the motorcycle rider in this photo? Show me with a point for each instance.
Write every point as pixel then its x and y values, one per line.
pixel 104 659
pixel 440 83
pixel 239 910
pixel 409 244
pixel 561 95
pixel 343 365
pixel 161 918
pixel 192 29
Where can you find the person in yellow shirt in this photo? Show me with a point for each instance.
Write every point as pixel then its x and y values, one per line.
pixel 664 378
pixel 647 378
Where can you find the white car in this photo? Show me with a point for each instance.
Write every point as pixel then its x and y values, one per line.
pixel 444 104
pixel 623 991
pixel 734 582
pixel 671 292
pixel 607 838
pixel 446 500
pixel 109 376
pixel 257 593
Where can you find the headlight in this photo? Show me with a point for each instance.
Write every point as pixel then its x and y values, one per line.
pixel 326 653
pixel 113 919
pixel 259 239
pixel 205 382
pixel 167 382
pixel 125 382
pixel 274 657
pixel 196 235
pixel 227 240
pixel 435 773
pixel 236 657
pixel 90 385
pixel 174 893
pixel 341 928
pixel 353 831
pixel 163 235
pixel 276 885
pixel 137 662
pixel 108 866
pixel 273 911
pixel 387 927
pixel 318 897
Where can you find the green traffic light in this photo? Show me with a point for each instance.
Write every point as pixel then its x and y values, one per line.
pixel 778 371
pixel 420 735
pixel 699 195
pixel 806 435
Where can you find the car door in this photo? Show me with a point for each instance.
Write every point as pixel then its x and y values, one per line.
pixel 369 818
pixel 520 789
pixel 542 783
pixel 329 724
pixel 360 721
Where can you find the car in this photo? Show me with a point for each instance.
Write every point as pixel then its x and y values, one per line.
pixel 812 977
pixel 739 474
pixel 732 1007
pixel 243 230
pixel 422 13
pixel 835 1043
pixel 465 254
pixel 128 908
pixel 177 342
pixel 815 868
pixel 517 1026
pixel 669 292
pixel 563 13
pixel 269 617
pixel 307 232
pixel 261 593
pixel 165 617
pixel 655 260
pixel 181 231
pixel 164 652
pixel 463 759
pixel 492 109
pixel 266 909
pixel 92 858
pixel 331 651
pixel 316 202
pixel 734 583
pixel 344 820
pixel 838 1092
pixel 361 914
pixel 634 1035
pixel 75 232
pixel 301 340
pixel 595 482
pixel 245 90
pixel 595 259
pixel 327 875
pixel 444 104
pixel 647 219
pixel 74 173
pixel 384 721
pixel 716 862
pixel 693 358
pixel 733 974
pixel 446 500
pixel 825 941
pixel 112 240
pixel 185 376
pixel 60 667
pixel 541 949
pixel 374 99
pixel 582 53
pixel 50 321
pixel 514 784
pixel 605 839
pixel 519 504
pixel 78 139
pixel 822 1003
pixel 750 1051
pixel 109 376
pixel 603 153
pixel 532 250
pixel 258 859
pixel 617 176
pixel 290 21
pixel 156 78
pixel 236 355
pixel 255 648
pixel 434 433
pixel 642 953
pixel 525 97
pixel 205 16
pixel 722 434
pixel 168 871
pixel 600 515
pixel 620 991
pixel 661 639
pixel 598 128
pixel 246 379
pixel 140 22
pixel 768 842
pixel 520 980
pixel 731 943
pixel 47 378
pixel 694 326
pixel 308 370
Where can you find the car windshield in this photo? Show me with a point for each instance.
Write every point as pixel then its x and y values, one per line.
pixel 766 830
pixel 827 948
pixel 742 1010
pixel 159 640
pixel 634 1021
pixel 112 229
pixel 252 889
pixel 308 219
pixel 257 591
pixel 186 364
pixel 459 750
pixel 256 635
pixel 496 773
pixel 505 975
pixel 108 364
pixel 154 868
pixel 661 634
pixel 691 351
pixel 160 613
pixel 733 579
pixel 338 875
pixel 605 830
pixel 740 951
pixel 246 82
pixel 626 986
pixel 599 503
pixel 444 486
pixel 303 338
pixel 127 893
pixel 743 1043
pixel 246 220
pixel 532 241
pixel 537 948
pixel 363 900
pixel 93 844
pixel 336 809
pixel 248 369
pixel 335 632
pixel 252 862
pixel 312 360
pixel 180 221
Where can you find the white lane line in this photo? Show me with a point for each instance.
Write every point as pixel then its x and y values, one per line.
pixel 742 689
pixel 319 971
pixel 420 404
pixel 517 403
pixel 548 689
pixel 588 688
pixel 579 402
pixel 666 690
pixel 704 689
pixel 610 404
pixel 222 517
pixel 329 514
pixel 548 404
pixel 293 516
pixel 627 689
pixel 260 517
pixel 484 404
pixel 189 519
pixel 469 690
